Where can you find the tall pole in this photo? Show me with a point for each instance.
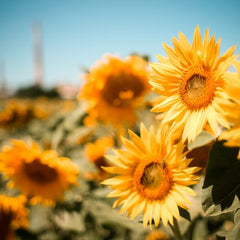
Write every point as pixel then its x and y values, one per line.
pixel 3 86
pixel 38 54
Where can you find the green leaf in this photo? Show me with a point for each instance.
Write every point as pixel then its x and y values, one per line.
pixel 105 214
pixel 184 214
pixel 69 221
pixel 75 117
pixel 210 208
pixel 39 218
pixel 221 189
pixel 235 233
pixel 200 231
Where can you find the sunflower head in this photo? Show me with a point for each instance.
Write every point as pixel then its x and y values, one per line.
pixel 152 176
pixel 114 87
pixel 42 175
pixel 13 215
pixel 95 153
pixel 194 85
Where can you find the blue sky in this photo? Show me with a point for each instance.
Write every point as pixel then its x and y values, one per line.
pixel 77 33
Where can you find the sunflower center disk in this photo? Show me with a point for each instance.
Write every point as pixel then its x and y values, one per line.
pixel 40 173
pixel 5 222
pixel 196 86
pixel 197 92
pixel 152 176
pixel 101 162
pixel 152 181
pixel 120 89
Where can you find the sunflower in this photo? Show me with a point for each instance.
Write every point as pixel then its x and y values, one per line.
pixel 114 88
pixel 153 176
pixel 95 154
pixel 41 175
pixel 194 85
pixel 13 215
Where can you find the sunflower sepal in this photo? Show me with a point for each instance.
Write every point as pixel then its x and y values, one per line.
pixel 184 213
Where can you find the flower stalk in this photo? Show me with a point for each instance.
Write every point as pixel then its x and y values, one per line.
pixel 176 230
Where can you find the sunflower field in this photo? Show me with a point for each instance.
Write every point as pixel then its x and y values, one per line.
pixel 146 151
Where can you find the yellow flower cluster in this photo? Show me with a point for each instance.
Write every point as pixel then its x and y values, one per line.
pixel 196 92
pixel 41 176
pixel 19 112
pixel 151 173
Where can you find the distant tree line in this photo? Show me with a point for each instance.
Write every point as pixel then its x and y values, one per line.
pixel 35 92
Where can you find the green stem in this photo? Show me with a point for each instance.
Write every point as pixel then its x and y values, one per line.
pixel 176 230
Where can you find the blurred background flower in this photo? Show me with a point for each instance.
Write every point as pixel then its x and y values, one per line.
pixel 13 215
pixel 42 175
pixel 114 89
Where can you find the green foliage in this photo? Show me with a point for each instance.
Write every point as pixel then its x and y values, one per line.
pixel 184 213
pixel 235 233
pixel 221 188
pixel 146 57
